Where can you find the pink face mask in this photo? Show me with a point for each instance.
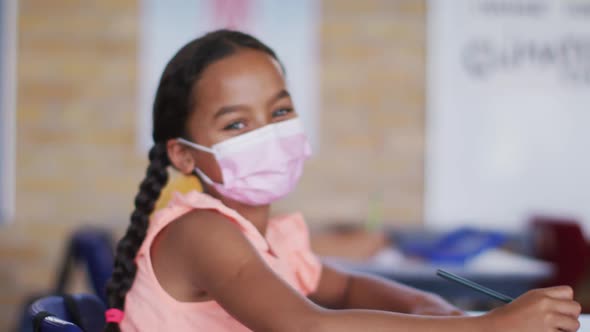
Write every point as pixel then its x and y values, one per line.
pixel 260 166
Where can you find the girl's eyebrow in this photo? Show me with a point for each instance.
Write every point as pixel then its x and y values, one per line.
pixel 282 94
pixel 227 110
pixel 235 108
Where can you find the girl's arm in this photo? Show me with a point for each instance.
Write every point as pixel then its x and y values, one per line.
pixel 342 290
pixel 221 261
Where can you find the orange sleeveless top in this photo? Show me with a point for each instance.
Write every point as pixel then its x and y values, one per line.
pixel 149 308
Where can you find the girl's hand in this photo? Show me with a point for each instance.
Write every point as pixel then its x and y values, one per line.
pixel 434 305
pixel 540 310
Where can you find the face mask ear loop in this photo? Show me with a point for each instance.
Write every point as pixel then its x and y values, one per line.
pixel 195 146
pixel 203 178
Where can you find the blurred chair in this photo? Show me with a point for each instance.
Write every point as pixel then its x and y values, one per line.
pixel 561 241
pixel 80 312
pixel 53 324
pixel 94 248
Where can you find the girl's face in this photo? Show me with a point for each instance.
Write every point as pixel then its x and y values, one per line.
pixel 235 95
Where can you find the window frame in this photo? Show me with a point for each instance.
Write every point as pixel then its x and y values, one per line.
pixel 8 93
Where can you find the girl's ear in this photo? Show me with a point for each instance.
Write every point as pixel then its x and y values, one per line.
pixel 180 156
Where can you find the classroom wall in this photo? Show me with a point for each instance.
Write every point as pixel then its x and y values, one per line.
pixel 76 157
pixel 372 115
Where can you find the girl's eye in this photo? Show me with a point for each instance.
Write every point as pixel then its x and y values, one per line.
pixel 281 112
pixel 238 125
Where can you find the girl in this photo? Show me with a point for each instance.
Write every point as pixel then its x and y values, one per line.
pixel 215 261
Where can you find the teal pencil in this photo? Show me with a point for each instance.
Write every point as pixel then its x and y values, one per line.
pixel 474 286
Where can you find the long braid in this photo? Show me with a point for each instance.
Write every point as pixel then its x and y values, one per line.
pixel 173 103
pixel 125 267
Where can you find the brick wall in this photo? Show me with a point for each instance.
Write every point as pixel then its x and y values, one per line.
pixel 76 158
pixel 372 120
pixel 76 161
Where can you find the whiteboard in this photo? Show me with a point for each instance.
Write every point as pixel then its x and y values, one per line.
pixel 508 115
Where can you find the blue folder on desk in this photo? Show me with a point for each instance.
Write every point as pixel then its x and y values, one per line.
pixel 455 248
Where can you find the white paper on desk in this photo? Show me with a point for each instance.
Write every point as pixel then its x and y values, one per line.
pixel 584 320
pixel 388 257
pixel 493 262
pixel 498 261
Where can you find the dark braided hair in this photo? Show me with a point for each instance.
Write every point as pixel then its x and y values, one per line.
pixel 172 106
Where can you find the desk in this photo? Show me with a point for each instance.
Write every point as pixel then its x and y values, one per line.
pixel 584 323
pixel 584 320
pixel 500 270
